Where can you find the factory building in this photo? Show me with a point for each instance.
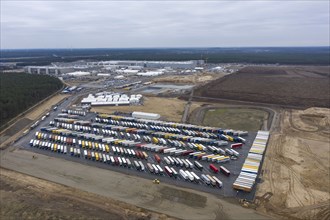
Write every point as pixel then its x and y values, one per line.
pixel 48 70
pixel 135 64
pixel 111 99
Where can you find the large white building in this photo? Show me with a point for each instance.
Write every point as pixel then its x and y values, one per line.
pixel 190 64
pixel 111 99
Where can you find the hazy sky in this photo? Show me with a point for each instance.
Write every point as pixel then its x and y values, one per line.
pixel 88 24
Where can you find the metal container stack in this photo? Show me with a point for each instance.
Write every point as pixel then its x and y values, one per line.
pixel 246 179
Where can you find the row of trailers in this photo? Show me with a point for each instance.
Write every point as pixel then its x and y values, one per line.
pixel 101 140
pixel 137 163
pixel 104 144
pixel 248 175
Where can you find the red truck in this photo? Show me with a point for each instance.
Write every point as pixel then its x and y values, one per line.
pixel 214 168
pixel 157 158
pixel 187 152
pixel 237 145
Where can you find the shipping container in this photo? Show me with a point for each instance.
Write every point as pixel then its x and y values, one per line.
pixel 198 165
pixel 224 170
pixel 150 168
pixel 196 178
pixel 218 182
pixel 137 165
pixel 183 174
pixel 157 158
pixel 213 182
pixel 141 166
pixel 214 168
pixel 175 174
pixel 205 179
pixel 168 171
pixel 160 169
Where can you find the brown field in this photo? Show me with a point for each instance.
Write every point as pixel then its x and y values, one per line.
pixel 189 79
pixel 27 197
pixel 171 109
pixel 296 166
pixel 291 86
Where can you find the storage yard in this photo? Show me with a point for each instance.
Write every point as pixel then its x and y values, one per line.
pixel 202 158
pixel 194 164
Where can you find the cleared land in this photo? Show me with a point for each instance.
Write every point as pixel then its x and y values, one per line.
pixel 188 79
pixel 27 197
pixel 291 86
pixel 236 118
pixel 296 166
pixel 170 109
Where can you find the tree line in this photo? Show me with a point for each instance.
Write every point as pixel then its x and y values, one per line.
pixel 19 91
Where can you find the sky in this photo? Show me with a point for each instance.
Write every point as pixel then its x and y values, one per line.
pixel 132 24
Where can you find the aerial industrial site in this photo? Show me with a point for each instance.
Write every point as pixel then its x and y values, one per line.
pixel 162 128
pixel 106 125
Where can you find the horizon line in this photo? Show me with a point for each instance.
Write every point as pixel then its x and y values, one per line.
pixel 198 47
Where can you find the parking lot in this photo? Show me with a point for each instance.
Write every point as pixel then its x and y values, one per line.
pixel 108 133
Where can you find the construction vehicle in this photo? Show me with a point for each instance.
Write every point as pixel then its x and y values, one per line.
pixel 257 201
pixel 156 181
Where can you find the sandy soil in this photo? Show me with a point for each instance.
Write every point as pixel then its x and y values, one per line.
pixel 168 199
pixel 27 197
pixel 189 79
pixel 296 166
pixel 44 107
pixel 170 109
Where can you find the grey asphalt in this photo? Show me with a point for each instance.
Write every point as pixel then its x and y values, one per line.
pixel 234 165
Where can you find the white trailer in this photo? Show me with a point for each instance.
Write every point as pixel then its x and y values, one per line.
pixel 197 179
pixel 161 171
pixel 205 179
pixel 141 165
pixel 218 182
pixel 190 177
pixel 183 174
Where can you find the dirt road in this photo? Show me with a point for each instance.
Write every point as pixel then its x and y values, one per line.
pixel 296 166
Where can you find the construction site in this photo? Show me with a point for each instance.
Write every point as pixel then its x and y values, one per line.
pixel 292 182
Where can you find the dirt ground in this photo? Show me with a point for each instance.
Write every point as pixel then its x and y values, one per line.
pixel 293 86
pixel 44 107
pixel 27 197
pixel 296 166
pixel 171 109
pixel 163 198
pixel 189 79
